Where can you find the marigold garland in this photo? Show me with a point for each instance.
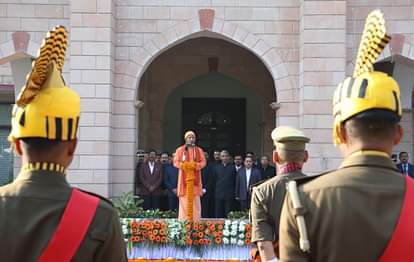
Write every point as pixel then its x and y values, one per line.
pixel 187 233
pixel 189 169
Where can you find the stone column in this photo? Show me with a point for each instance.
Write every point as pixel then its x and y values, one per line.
pixel 322 67
pixel 91 70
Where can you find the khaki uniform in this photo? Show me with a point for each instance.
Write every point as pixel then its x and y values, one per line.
pixel 30 210
pixel 351 213
pixel 266 205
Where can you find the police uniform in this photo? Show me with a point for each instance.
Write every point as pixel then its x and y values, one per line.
pixel 31 207
pixel 267 198
pixel 350 213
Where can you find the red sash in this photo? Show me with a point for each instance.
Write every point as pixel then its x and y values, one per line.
pixel 401 245
pixel 72 228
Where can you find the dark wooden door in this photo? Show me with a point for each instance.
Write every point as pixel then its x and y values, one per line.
pixel 220 123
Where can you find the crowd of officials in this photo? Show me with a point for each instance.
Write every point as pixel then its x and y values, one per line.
pixel 226 180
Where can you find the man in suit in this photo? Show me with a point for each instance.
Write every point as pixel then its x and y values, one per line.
pixel 238 162
pixel 225 182
pixel 40 212
pixel 207 200
pixel 405 167
pixel 170 174
pixel 266 169
pixel 151 178
pixel 246 177
pixel 140 160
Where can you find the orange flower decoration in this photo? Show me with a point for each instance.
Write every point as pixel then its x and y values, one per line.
pixel 200 234
pixel 189 241
pixel 158 238
pixel 220 226
pixel 217 240
pixel 247 241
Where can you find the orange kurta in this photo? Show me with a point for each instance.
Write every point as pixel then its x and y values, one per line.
pixel 201 163
pixel 195 154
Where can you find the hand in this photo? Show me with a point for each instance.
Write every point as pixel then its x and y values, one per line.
pixel 204 190
pixel 237 198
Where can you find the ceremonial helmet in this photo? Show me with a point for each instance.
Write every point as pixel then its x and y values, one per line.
pixel 46 107
pixel 366 89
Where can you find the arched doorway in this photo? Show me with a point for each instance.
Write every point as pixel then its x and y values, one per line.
pixel 210 78
pixel 224 113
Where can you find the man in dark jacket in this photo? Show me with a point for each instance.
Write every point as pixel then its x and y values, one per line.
pixel 246 177
pixel 225 181
pixel 170 183
pixel 207 200
pixel 140 160
pixel 151 179
pixel 266 169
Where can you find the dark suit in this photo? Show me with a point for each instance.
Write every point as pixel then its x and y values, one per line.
pixel 207 200
pixel 170 182
pixel 242 190
pixel 137 182
pixel 151 185
pixel 268 172
pixel 225 182
pixel 403 170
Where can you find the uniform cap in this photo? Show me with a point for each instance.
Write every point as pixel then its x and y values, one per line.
pixel 289 138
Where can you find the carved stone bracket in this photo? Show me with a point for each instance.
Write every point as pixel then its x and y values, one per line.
pixel 275 105
pixel 139 104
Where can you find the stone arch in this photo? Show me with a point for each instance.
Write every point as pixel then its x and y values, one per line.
pixel 128 74
pixel 206 24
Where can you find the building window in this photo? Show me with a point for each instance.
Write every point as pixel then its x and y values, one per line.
pixel 6 155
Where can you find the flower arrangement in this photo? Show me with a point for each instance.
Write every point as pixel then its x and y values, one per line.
pixel 236 232
pixel 189 169
pixel 187 233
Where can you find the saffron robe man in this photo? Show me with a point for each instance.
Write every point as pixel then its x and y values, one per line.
pixel 189 152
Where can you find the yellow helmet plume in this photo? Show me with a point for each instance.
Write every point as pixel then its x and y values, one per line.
pixel 367 89
pixel 45 107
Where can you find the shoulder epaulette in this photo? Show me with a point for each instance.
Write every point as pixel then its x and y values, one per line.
pixel 99 196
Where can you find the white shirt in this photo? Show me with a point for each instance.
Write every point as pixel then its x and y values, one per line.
pixel 151 166
pixel 405 168
pixel 238 168
pixel 248 173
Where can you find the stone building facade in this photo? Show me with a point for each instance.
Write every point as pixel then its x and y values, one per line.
pixel 134 62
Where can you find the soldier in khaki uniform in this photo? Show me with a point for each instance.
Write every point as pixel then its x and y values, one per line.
pixel 44 127
pixel 351 213
pixel 267 198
